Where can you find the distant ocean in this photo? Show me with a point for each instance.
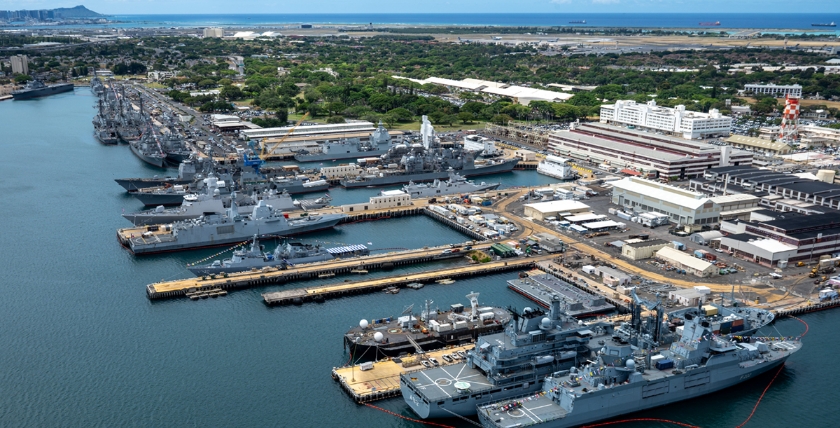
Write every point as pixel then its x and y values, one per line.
pixel 641 20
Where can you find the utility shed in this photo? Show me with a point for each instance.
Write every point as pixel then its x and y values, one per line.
pixel 685 261
pixel 687 297
pixel 704 238
pixel 643 249
pixel 612 277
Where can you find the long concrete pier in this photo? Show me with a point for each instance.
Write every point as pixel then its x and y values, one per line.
pixel 182 287
pixel 320 293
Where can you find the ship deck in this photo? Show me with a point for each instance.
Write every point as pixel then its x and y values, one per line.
pixel 383 381
pixel 541 286
pixel 437 384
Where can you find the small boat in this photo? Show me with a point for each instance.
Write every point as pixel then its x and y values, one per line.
pixel 415 285
pixel 359 271
pixel 326 275
pixel 392 290
pixel 446 281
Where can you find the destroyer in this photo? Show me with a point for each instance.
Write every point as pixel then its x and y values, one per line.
pixel 456 184
pixel 186 175
pixel 223 229
pixel 380 142
pixel 285 255
pixel 432 330
pixel 626 378
pixel 423 162
pixel 37 88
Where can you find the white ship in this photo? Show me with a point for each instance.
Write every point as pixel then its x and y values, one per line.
pixel 556 167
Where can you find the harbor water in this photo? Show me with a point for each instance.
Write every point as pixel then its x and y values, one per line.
pixel 83 346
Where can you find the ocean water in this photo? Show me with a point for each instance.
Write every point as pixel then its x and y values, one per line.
pixel 83 346
pixel 801 21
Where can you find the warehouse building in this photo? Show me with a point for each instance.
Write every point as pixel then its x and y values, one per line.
pixel 777 91
pixel 643 249
pixel 331 130
pixel 612 277
pixel 705 238
pixel 764 251
pixel 686 261
pixel 675 121
pixel 386 199
pixel 792 238
pixel 682 206
pixel 761 145
pixel 563 208
pixel 642 153
pixel 687 297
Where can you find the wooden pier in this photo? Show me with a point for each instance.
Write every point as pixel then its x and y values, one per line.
pixel 321 293
pixel 266 276
pixel 383 381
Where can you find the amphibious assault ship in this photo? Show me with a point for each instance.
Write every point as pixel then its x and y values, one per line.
pixel 627 378
pixel 215 229
pixel 433 329
pixel 380 142
pixel 455 185
pixel 37 88
pixel 285 255
pixel 424 161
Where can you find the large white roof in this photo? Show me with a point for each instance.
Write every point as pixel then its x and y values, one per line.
pixel 772 246
pixel 663 192
pixel 670 253
pixel 565 205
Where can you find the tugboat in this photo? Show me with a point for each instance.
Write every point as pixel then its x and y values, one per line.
pixel 434 329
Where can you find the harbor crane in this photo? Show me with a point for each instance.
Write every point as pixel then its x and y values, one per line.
pixel 266 150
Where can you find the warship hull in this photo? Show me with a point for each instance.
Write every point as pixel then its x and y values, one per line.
pixel 427 343
pixel 299 188
pixel 609 402
pixel 214 235
pixel 135 184
pixel 156 161
pixel 320 157
pixel 42 92
pixel 215 270
pixel 154 199
pixel 388 180
pixel 106 138
pixel 151 217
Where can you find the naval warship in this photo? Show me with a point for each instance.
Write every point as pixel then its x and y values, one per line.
pixel 285 255
pixel 433 329
pixel 170 195
pixel 37 88
pixel 186 174
pixel 625 378
pixel 455 185
pixel 424 161
pixel 148 149
pixel 216 229
pixel 505 364
pixel 104 128
pixel 380 142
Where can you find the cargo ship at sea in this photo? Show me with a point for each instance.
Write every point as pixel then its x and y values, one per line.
pixel 579 21
pixel 432 329
pixel 710 24
pixel 831 24
pixel 424 161
pixel 37 88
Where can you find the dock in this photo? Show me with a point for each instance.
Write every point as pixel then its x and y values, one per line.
pixel 320 293
pixel 266 276
pixel 383 381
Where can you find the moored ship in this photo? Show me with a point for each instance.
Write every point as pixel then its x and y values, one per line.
pixel 433 329
pixel 37 88
pixel 380 142
pixel 456 184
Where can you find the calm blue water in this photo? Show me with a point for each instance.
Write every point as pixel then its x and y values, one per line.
pixel 82 346
pixel 647 20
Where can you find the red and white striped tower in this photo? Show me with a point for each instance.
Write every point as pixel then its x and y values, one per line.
pixel 789 131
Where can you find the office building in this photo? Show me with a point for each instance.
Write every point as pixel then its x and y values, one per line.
pixel 674 121
pixel 20 64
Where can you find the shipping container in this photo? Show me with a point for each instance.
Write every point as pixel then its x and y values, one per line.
pixel 709 310
pixel 665 364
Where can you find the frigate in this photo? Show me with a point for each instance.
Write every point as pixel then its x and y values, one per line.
pixel 425 161
pixel 455 185
pixel 187 172
pixel 627 378
pixel 37 88
pixel 285 255
pixel 148 150
pixel 217 229
pixel 350 148
pixel 432 329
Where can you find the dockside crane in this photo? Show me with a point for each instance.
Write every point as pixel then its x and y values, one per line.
pixel 267 150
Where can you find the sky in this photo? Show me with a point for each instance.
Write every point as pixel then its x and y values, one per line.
pixel 831 8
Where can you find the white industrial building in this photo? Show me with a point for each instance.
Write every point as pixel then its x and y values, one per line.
pixel 543 210
pixel 214 32
pixel 519 94
pixel 686 261
pixel 386 199
pixel 774 90
pixel 331 128
pixel 682 206
pixel 676 121
pixel 643 249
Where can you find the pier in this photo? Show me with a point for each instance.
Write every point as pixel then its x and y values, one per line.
pixel 383 380
pixel 320 293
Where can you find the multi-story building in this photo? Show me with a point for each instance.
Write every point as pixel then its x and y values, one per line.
pixel 214 32
pixel 642 153
pixel 675 121
pixel 20 64
pixel 774 90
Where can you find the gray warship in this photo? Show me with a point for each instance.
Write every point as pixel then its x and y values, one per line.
pixel 171 195
pixel 455 185
pixel 187 172
pixel 380 142
pixel 426 161
pixel 37 88
pixel 627 378
pixel 285 255
pixel 505 364
pixel 104 129
pixel 433 329
pixel 215 229
pixel 148 149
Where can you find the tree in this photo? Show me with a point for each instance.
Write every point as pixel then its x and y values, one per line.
pixel 231 93
pixel 22 78
pixel 466 117
pixel 136 68
pixel 401 114
pixel 335 119
pixel 206 83
pixel 501 119
pixel 583 99
pixel 120 69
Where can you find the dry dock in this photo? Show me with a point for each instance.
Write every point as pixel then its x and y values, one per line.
pixel 383 381
pixel 182 287
pixel 320 293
